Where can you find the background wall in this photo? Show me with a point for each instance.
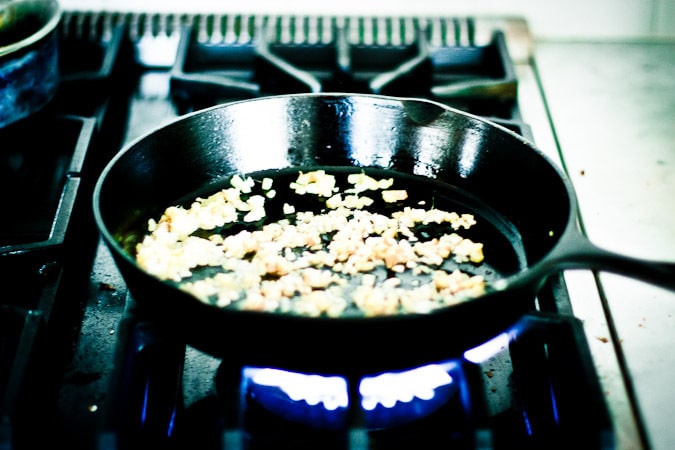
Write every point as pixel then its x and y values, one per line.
pixel 605 19
pixel 549 19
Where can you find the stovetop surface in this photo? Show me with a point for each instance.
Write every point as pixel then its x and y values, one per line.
pixel 85 336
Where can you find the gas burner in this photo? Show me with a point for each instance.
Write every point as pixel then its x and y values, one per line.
pixel 386 400
pixel 532 386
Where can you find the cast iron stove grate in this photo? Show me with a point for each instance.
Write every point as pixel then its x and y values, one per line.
pixel 247 57
pixel 48 165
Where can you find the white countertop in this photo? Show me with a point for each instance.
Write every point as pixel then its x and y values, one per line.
pixel 613 109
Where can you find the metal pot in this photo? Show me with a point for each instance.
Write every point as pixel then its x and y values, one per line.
pixel 29 73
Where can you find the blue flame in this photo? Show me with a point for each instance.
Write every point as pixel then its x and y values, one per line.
pixel 389 388
pixel 312 389
pixel 387 399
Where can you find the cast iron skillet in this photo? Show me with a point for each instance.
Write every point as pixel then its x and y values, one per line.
pixel 528 201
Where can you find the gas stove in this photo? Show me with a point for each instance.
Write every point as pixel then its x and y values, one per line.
pixel 79 367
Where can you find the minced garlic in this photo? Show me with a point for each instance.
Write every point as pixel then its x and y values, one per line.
pixel 313 262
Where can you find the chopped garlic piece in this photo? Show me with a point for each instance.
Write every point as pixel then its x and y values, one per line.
pixel 392 196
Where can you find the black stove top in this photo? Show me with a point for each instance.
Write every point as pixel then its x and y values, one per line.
pixel 77 365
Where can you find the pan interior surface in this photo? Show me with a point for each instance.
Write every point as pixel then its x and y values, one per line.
pixel 502 244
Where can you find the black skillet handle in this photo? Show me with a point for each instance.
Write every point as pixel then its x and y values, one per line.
pixel 576 251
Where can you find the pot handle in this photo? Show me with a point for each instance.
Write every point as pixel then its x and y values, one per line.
pixel 576 251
